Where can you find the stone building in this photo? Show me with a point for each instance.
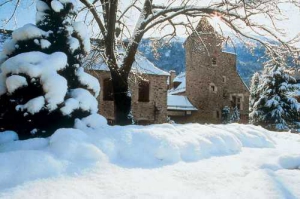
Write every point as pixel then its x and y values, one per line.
pixel 148 89
pixel 210 83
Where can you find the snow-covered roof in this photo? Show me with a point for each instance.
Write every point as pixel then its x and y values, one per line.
pixel 179 102
pixel 141 65
pixel 180 77
pixel 232 53
pixel 182 86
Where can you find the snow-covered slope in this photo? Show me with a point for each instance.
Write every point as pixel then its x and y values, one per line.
pixel 157 161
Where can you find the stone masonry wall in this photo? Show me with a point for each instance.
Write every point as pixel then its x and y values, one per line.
pixel 202 74
pixel 152 112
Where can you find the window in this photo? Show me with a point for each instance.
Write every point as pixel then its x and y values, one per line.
pixel 214 60
pixel 237 102
pixel 107 90
pixel 216 114
pixel 144 91
pixel 212 88
pixel 224 79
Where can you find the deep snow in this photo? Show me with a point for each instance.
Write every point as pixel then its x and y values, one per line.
pixel 157 161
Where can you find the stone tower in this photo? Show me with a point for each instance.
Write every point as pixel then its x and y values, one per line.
pixel 212 81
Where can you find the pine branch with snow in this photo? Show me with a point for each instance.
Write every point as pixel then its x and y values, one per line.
pixel 226 115
pixel 276 106
pixel 254 95
pixel 42 85
pixel 235 116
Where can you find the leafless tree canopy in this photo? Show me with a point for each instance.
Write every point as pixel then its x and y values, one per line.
pixel 112 19
pixel 130 20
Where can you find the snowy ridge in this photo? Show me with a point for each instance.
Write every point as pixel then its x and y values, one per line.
pixel 132 146
pixel 159 161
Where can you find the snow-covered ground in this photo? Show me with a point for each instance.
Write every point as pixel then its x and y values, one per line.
pixel 158 161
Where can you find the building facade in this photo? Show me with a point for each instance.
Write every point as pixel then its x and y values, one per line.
pixel 211 80
pixel 148 90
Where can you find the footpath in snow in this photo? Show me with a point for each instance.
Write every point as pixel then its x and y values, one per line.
pixel 95 160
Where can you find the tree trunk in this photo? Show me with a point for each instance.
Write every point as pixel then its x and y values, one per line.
pixel 122 98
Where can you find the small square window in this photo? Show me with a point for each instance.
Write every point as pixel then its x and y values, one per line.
pixel 224 79
pixel 214 61
pixel 213 88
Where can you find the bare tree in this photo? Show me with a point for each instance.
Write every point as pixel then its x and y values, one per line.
pixel 111 20
pixel 112 17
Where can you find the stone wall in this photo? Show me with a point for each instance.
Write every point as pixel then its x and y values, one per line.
pixel 152 112
pixel 211 79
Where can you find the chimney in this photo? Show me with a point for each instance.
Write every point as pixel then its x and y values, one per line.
pixel 171 78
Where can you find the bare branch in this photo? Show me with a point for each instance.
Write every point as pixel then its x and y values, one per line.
pixel 93 10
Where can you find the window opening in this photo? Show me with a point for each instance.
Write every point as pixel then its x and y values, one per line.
pixel 144 91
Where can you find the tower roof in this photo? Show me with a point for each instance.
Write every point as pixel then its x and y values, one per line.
pixel 204 26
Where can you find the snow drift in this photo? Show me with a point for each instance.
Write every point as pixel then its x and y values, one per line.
pixel 93 142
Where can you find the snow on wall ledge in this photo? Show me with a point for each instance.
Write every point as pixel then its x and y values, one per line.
pixel 93 142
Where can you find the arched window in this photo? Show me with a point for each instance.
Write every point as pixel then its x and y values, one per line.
pixel 107 90
pixel 144 91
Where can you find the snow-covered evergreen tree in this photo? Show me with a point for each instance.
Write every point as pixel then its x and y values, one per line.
pixel 253 90
pixel 235 116
pixel 226 115
pixel 42 86
pixel 275 107
pixel 254 95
